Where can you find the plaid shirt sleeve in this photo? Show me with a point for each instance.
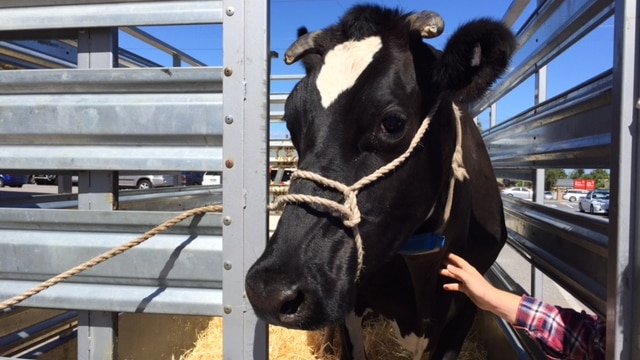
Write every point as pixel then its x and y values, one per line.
pixel 562 333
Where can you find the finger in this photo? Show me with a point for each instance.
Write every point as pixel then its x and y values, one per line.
pixel 447 273
pixel 458 261
pixel 451 287
pixel 455 271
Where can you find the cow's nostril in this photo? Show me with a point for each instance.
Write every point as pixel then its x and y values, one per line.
pixel 291 306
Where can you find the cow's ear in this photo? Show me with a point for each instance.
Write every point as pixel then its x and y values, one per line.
pixel 474 57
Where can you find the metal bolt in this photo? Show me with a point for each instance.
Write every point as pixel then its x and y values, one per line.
pixel 227 309
pixel 228 71
pixel 227 265
pixel 228 119
pixel 229 163
pixel 230 11
pixel 227 221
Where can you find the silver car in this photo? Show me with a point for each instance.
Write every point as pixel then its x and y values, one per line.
pixel 518 192
pixel 596 202
pixel 139 181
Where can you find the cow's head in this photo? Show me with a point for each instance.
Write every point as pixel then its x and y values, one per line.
pixel 370 82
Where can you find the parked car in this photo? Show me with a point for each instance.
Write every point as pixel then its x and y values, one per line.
pixel 46 179
pixel 574 195
pixel 191 177
pixel 212 178
pixel 548 195
pixel 13 180
pixel 518 192
pixel 595 202
pixel 147 181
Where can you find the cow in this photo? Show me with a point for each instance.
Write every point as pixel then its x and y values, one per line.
pixel 377 99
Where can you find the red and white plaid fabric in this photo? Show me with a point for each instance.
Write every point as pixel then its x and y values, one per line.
pixel 562 333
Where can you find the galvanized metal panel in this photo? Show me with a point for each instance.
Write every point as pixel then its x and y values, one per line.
pixel 86 14
pixel 623 320
pixel 571 130
pixel 557 25
pixel 111 119
pixel 569 248
pixel 184 261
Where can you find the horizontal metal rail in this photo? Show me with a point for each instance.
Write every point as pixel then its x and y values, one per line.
pixel 557 25
pixel 174 272
pixel 30 336
pixel 569 248
pixel 91 14
pixel 571 130
pixel 112 119
pixel 164 199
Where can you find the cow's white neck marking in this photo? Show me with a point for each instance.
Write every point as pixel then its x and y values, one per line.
pixel 342 66
pixel 412 343
pixel 354 327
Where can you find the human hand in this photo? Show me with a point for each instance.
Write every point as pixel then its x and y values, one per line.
pixel 471 282
pixel 479 290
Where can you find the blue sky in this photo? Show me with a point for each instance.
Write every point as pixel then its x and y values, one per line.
pixel 204 42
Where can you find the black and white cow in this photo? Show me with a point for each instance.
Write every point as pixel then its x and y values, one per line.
pixel 370 83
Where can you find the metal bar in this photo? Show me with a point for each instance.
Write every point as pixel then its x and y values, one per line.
pixel 570 249
pixel 186 126
pixel 118 81
pixel 246 90
pixel 97 190
pixel 32 54
pixel 570 130
pixel 161 45
pixel 121 298
pixel 90 15
pixel 514 12
pixel 558 25
pixel 623 320
pixel 28 333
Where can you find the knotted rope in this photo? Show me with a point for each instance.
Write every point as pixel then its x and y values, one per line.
pixel 349 210
pixel 107 255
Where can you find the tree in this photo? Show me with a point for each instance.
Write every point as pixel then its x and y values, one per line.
pixel 577 174
pixel 551 177
pixel 601 176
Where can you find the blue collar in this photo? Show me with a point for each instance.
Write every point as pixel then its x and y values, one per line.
pixel 422 244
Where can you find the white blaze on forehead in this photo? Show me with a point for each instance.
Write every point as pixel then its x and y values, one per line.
pixel 342 66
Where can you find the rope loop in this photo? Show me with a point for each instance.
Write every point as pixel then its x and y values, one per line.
pixel 349 211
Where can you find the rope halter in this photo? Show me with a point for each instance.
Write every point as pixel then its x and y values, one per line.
pixel 349 211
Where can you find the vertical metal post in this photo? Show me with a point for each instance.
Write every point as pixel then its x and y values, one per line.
pixel 623 280
pixel 493 115
pixel 97 190
pixel 537 278
pixel 177 60
pixel 245 147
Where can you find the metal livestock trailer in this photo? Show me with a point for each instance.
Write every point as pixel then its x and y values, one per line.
pixel 97 120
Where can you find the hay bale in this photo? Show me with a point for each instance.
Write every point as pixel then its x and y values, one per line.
pixel 287 344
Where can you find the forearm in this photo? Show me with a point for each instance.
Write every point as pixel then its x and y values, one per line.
pixel 504 304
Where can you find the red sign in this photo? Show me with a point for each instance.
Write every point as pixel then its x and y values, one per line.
pixel 586 184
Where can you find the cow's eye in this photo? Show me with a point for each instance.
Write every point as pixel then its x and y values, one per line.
pixel 393 124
